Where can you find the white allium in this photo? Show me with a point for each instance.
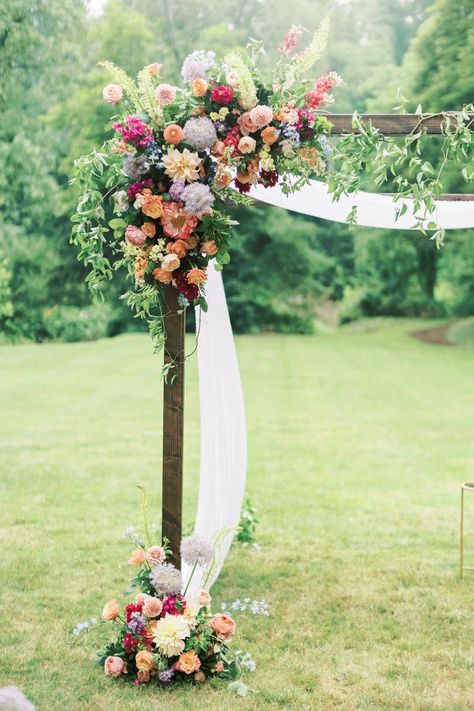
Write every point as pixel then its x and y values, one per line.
pixel 166 580
pixel 197 549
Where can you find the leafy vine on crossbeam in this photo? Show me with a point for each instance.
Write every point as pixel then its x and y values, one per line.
pixel 154 201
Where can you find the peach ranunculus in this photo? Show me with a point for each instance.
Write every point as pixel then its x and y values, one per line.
pixel 209 247
pixel 149 229
pixel 261 115
pixel 135 236
pixel 144 661
pixel 111 610
pixel 199 87
pixel 115 666
pixel 196 276
pixel 112 93
pixel 188 662
pixel 173 134
pixel 178 247
pixel 270 135
pixel 155 555
pixel 137 557
pixel 219 667
pixel 170 262
pixel 152 206
pixel 151 606
pixel 246 124
pixel 224 627
pixel 247 144
pixel 162 275
pixel 153 69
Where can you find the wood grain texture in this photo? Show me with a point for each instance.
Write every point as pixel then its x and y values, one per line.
pixel 173 425
pixel 389 124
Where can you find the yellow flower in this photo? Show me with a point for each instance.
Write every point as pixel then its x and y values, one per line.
pixel 182 165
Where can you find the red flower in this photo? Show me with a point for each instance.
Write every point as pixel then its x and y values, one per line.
pixel 130 609
pixel 169 605
pixel 190 291
pixel 242 187
pixel 268 178
pixel 222 94
pixel 129 642
pixel 135 188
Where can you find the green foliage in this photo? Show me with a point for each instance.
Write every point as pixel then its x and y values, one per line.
pixel 72 323
pixel 247 524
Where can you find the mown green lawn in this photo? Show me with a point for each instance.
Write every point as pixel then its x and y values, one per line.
pixel 358 441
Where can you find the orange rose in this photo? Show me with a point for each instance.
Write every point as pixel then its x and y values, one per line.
pixel 196 276
pixel 210 248
pixel 162 275
pixel 173 133
pixel 224 627
pixel 137 557
pixel 199 87
pixel 152 206
pixel 188 662
pixel 270 135
pixel 144 661
pixel 111 610
pixel 170 262
pixel 143 676
pixel 178 247
pixel 191 242
pixel 148 228
pixel 114 666
pixel 246 124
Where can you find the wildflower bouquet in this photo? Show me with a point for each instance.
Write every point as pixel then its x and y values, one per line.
pixel 165 634
pixel 178 157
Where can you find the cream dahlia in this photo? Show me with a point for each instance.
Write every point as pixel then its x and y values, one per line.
pixel 182 165
pixel 169 634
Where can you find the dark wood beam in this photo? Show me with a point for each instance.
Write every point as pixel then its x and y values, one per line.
pixel 391 124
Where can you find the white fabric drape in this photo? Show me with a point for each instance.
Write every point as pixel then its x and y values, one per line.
pixel 372 210
pixel 223 431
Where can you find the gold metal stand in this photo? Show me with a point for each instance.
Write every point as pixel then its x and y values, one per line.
pixel 467 486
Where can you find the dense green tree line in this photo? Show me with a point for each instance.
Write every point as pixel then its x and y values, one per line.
pixel 284 267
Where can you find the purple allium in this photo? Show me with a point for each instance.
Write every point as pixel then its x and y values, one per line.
pixel 137 623
pixel 197 64
pixel 166 676
pixel 197 549
pixel 166 580
pixel 176 189
pixel 200 133
pixel 135 167
pixel 197 198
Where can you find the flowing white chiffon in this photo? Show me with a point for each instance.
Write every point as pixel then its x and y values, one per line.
pixel 223 431
pixel 373 210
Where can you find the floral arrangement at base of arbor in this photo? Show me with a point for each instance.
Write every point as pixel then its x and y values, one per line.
pixel 155 199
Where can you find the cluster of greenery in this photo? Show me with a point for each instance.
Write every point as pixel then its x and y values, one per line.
pixel 285 268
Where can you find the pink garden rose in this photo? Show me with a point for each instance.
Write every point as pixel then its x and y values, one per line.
pixel 135 236
pixel 112 93
pixel 261 115
pixel 115 666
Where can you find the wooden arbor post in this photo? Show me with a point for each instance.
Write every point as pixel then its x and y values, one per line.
pixel 173 424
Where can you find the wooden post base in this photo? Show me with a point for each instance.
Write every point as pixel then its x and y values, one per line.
pixel 173 424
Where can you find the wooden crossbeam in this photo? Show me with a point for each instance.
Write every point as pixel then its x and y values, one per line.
pixel 392 124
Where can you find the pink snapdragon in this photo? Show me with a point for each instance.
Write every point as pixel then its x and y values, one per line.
pixel 290 40
pixel 320 93
pixel 135 131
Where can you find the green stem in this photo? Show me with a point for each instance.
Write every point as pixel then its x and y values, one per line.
pixel 190 578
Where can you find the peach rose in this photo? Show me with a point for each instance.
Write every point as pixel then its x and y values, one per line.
pixel 203 598
pixel 270 135
pixel 191 241
pixel 153 69
pixel 219 667
pixel 188 662
pixel 178 247
pixel 144 661
pixel 162 275
pixel 199 87
pixel 246 124
pixel 196 276
pixel 173 133
pixel 135 236
pixel 224 627
pixel 218 148
pixel 247 144
pixel 152 206
pixel 112 93
pixel 170 262
pixel 152 606
pixel 137 557
pixel 209 247
pixel 261 115
pixel 114 666
pixel 111 610
pixel 155 555
pixel 149 229
pixel 199 677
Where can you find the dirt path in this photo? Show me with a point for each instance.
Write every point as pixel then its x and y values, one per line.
pixel 435 335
